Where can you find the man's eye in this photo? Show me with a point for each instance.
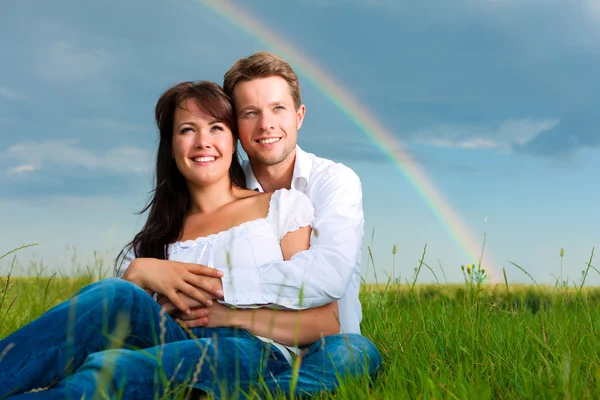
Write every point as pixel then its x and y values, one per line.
pixel 279 108
pixel 250 113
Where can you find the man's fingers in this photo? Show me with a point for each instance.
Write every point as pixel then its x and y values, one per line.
pixel 196 322
pixel 168 306
pixel 162 300
pixel 195 314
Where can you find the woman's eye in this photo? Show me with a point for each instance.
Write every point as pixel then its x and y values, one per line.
pixel 217 128
pixel 185 130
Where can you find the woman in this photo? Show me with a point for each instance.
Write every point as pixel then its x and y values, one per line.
pixel 199 214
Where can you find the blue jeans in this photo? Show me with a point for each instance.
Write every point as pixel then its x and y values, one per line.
pixel 111 338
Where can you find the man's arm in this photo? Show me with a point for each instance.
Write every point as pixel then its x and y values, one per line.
pixel 317 276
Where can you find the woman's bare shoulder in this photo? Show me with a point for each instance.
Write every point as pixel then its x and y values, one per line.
pixel 256 203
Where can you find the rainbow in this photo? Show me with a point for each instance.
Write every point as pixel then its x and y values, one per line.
pixel 359 114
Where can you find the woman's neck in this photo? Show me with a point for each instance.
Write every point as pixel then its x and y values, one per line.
pixel 210 198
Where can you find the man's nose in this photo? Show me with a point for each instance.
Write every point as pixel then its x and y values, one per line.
pixel 267 122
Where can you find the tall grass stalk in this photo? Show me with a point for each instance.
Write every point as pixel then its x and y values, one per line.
pixel 455 341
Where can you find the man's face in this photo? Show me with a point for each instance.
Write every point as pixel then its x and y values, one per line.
pixel 268 121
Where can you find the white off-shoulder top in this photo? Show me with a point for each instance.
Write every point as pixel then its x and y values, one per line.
pixel 250 244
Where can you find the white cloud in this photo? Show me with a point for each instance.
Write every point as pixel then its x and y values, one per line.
pixel 502 136
pixel 522 131
pixel 594 7
pixel 8 94
pixel 24 168
pixel 67 153
pixel 63 60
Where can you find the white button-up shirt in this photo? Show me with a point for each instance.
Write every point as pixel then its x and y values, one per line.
pixel 330 269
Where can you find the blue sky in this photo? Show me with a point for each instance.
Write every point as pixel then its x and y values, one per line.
pixel 496 100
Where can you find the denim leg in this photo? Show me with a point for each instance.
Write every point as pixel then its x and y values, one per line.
pixel 328 362
pixel 207 333
pixel 213 365
pixel 110 312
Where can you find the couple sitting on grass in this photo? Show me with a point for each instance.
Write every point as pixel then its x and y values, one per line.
pixel 245 278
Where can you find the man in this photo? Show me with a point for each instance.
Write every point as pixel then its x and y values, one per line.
pixel 266 95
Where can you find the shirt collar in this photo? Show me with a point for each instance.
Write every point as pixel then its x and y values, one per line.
pixel 300 177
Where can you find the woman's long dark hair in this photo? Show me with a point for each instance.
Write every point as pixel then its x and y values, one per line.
pixel 171 203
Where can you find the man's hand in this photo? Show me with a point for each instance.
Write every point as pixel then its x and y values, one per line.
pixel 215 316
pixel 172 278
pixel 224 316
pixel 197 315
pixel 170 308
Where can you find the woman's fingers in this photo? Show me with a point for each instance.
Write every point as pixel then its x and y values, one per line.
pixel 199 269
pixel 212 287
pixel 195 293
pixel 190 301
pixel 208 286
pixel 177 301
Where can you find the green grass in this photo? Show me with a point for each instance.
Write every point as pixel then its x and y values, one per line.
pixel 463 341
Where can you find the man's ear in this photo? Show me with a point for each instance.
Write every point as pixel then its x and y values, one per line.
pixel 300 116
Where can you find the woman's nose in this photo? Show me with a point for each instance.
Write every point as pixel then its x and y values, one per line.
pixel 203 140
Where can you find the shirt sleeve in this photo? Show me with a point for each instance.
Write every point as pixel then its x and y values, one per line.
pixel 322 274
pixel 127 259
pixel 291 210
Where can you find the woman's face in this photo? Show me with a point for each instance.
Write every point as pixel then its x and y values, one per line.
pixel 202 146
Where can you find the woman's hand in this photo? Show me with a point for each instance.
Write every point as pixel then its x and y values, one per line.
pixel 165 277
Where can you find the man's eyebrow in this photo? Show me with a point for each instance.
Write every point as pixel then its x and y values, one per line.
pixel 278 103
pixel 271 104
pixel 248 107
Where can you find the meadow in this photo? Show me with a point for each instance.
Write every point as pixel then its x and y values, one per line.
pixel 440 341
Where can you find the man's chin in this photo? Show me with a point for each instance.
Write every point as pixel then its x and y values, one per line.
pixel 267 159
pixel 270 158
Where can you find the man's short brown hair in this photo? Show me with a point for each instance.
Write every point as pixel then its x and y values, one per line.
pixel 262 65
